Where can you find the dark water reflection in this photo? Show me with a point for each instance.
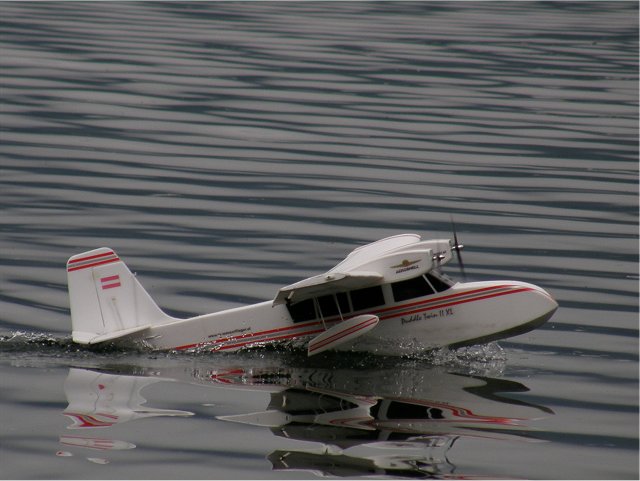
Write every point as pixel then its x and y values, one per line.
pixel 277 412
pixel 228 149
pixel 340 409
pixel 379 417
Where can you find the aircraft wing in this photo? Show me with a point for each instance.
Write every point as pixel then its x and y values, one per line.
pixel 327 283
pixel 392 259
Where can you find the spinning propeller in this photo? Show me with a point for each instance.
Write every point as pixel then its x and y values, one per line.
pixel 458 247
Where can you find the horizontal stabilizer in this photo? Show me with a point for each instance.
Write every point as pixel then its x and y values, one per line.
pixel 270 419
pixel 344 331
pixel 92 338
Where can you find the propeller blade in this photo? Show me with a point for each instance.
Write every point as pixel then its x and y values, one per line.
pixel 458 247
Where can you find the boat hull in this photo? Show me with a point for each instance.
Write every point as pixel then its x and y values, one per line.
pixel 468 313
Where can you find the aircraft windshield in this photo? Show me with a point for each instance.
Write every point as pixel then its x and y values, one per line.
pixel 420 286
pixel 439 281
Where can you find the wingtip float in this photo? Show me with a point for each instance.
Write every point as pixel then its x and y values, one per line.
pixel 388 297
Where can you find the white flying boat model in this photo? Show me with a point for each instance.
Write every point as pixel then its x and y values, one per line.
pixel 388 297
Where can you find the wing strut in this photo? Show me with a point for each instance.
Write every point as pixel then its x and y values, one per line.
pixel 316 304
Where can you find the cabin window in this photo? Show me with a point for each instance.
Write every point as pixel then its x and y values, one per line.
pixel 302 402
pixel 302 311
pixel 403 410
pixel 334 304
pixel 366 298
pixel 343 302
pixel 411 288
pixel 438 283
pixel 328 306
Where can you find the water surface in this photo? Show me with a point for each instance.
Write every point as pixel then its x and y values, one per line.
pixel 225 150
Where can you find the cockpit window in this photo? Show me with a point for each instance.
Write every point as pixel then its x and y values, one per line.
pixel 439 283
pixel 334 305
pixel 328 306
pixel 331 305
pixel 411 288
pixel 302 311
pixel 343 302
pixel 367 298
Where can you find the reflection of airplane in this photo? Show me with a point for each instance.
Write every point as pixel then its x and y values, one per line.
pixel 388 297
pixel 393 421
pixel 99 400
pixel 405 431
pixel 428 461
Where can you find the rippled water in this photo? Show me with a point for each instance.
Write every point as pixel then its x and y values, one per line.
pixel 227 149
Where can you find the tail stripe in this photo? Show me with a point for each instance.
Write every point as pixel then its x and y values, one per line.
pixel 110 282
pixel 92 261
pixel 107 301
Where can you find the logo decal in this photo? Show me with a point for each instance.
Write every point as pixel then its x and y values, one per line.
pixel 110 282
pixel 406 265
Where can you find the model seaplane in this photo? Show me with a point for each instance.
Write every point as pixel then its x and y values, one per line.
pixel 389 297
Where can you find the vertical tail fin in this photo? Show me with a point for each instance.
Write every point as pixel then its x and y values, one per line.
pixel 106 299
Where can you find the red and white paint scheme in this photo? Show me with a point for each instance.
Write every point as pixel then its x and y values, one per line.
pixel 388 297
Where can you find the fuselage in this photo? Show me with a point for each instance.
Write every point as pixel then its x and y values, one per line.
pixel 412 319
pixel 387 297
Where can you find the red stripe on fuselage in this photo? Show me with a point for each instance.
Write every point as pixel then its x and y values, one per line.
pixel 458 302
pixel 251 341
pixel 442 298
pixel 428 305
pixel 257 334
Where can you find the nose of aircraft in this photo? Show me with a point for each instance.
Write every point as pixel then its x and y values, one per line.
pixel 539 303
pixel 548 298
pixel 512 308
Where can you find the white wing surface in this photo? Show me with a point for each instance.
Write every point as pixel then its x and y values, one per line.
pixel 391 259
pixel 326 284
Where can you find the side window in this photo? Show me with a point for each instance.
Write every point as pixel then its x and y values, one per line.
pixel 437 283
pixel 328 306
pixel 302 311
pixel 366 298
pixel 404 410
pixel 411 288
pixel 343 301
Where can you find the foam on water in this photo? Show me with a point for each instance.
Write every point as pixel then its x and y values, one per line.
pixel 47 347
